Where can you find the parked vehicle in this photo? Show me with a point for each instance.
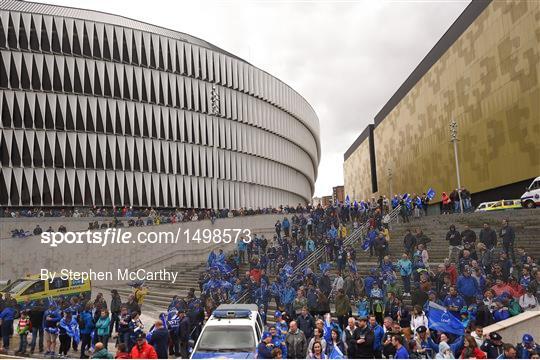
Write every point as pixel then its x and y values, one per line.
pixel 505 205
pixel 233 331
pixel 483 206
pixel 33 288
pixel 531 198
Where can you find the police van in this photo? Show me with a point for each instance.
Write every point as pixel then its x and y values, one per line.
pixel 233 331
pixel 531 198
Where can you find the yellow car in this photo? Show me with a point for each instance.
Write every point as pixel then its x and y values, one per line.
pixel 32 288
pixel 505 205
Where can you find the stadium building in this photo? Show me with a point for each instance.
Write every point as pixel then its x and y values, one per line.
pixel 484 74
pixel 102 110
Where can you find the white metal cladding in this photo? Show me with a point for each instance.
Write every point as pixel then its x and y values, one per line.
pixel 110 111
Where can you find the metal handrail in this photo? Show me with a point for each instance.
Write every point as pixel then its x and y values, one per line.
pixel 318 253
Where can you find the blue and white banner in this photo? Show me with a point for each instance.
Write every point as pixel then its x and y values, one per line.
pixel 430 194
pixel 442 320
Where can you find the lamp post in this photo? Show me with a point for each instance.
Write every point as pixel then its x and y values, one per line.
pixel 390 182
pixel 454 140
pixel 215 112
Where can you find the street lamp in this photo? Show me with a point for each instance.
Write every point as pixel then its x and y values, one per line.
pixel 390 181
pixel 215 112
pixel 454 139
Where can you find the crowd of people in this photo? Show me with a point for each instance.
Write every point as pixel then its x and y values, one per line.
pixel 77 323
pixel 397 306
pixel 128 212
pixel 402 308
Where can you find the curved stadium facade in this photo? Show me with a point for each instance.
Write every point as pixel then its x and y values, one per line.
pixel 101 110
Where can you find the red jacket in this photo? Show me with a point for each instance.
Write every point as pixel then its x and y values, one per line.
pixel 122 355
pixel 478 354
pixel 147 352
pixel 452 271
pixel 256 273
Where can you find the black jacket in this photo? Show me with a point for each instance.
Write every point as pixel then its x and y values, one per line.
pixel 409 241
pixel 468 236
pixel 365 350
pixel 453 237
pixel 183 330
pixel 350 340
pixel 492 351
pixel 488 237
pixel 507 235
pixel 160 341
pixel 325 285
pixel 306 324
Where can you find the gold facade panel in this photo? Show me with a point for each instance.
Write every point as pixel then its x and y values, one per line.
pixel 489 82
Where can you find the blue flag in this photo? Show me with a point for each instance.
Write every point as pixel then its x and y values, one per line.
pixel 442 320
pixel 325 267
pixel 347 201
pixel 336 353
pixel 430 194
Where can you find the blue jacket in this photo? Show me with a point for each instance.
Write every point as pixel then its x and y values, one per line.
pixel 378 334
pixel 160 341
pixel 87 322
pixel 467 286
pixel 8 314
pixel 501 314
pixel 524 353
pixel 456 301
pixel 263 351
pixel 405 267
pixel 55 318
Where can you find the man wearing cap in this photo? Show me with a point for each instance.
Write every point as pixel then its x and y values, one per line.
pixel 425 344
pixel 364 344
pixel 527 347
pixel 281 324
pixel 278 340
pixel 142 349
pixel 493 346
pixel 265 347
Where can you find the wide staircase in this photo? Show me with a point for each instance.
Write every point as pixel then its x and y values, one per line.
pixel 526 224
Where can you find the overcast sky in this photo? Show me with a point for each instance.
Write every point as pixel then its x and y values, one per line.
pixel 346 57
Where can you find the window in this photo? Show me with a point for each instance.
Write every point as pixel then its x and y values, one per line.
pixel 227 338
pixel 38 286
pixel 58 283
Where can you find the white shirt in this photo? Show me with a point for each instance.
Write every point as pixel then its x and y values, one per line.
pixel 417 321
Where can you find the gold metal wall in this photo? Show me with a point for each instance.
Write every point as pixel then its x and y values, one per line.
pixel 489 82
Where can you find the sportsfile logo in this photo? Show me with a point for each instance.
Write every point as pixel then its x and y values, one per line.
pixel 120 236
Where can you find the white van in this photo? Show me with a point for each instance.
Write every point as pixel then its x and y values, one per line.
pixel 232 331
pixel 531 198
